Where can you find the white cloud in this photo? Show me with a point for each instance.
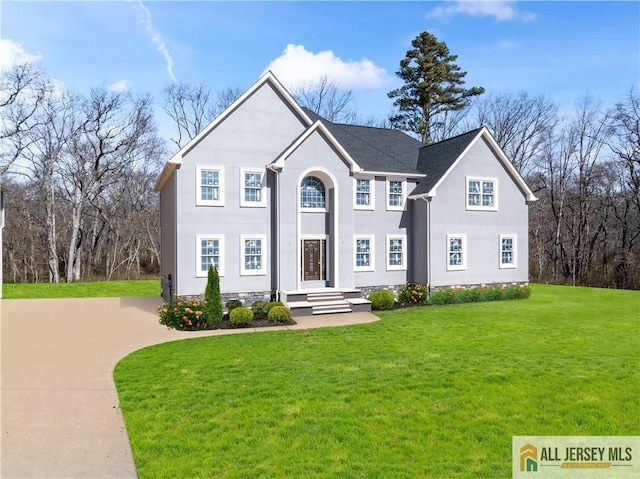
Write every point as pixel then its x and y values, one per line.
pixel 156 38
pixel 119 86
pixel 12 53
pixel 501 10
pixel 298 66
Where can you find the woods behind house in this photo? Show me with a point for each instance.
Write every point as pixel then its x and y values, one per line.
pixel 80 171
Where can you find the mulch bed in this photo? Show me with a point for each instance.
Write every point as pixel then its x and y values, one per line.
pixel 256 323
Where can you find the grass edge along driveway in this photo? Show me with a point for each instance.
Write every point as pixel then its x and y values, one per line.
pixel 426 392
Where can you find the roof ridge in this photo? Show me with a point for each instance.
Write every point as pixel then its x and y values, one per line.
pixel 475 130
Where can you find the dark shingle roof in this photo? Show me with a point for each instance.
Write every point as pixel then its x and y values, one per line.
pixel 392 151
pixel 375 149
pixel 434 160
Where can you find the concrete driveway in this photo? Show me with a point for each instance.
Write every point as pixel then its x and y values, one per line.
pixel 60 413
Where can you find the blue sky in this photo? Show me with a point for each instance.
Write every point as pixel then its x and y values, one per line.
pixel 560 49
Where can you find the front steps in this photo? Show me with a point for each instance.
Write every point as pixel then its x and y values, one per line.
pixel 324 301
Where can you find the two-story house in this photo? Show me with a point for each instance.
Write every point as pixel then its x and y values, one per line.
pixel 289 205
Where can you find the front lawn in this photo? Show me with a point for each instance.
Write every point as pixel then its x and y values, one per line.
pixel 436 391
pixel 94 289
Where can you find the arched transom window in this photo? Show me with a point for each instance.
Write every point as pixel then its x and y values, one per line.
pixel 312 193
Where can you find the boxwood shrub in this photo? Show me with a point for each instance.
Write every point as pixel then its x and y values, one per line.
pixel 273 304
pixel 260 309
pixel 381 299
pixel 233 304
pixel 279 315
pixel 240 316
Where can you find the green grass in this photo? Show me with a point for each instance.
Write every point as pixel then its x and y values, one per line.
pixel 426 392
pixel 97 289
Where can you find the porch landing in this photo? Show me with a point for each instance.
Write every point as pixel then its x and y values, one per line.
pixel 318 301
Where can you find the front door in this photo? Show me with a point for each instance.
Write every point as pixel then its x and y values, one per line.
pixel 312 260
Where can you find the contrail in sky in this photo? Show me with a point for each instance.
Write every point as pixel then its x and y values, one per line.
pixel 157 39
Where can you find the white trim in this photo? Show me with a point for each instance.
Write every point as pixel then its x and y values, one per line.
pixel 279 163
pixel 372 194
pixel 480 207
pixel 268 77
pixel 263 196
pixel 401 207
pixel 199 200
pixel 220 239
pixel 529 196
pixel 514 252
pixel 400 267
pixel 263 255
pixel 322 173
pixel 463 265
pixel 372 252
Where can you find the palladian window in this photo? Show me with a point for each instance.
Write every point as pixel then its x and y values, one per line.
pixel 312 193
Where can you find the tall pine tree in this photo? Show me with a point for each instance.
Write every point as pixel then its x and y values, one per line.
pixel 432 87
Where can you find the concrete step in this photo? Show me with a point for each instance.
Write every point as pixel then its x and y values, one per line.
pixel 331 311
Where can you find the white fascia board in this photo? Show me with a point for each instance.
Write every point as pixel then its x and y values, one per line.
pixel 168 169
pixel 391 174
pixel 278 164
pixel 509 166
pixel 268 77
pixel 529 196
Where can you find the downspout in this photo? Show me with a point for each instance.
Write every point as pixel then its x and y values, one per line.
pixel 428 200
pixel 276 250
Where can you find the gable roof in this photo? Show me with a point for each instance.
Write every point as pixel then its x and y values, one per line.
pixel 376 149
pixel 320 127
pixel 439 159
pixel 176 160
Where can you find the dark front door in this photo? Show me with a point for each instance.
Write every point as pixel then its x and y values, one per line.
pixel 311 260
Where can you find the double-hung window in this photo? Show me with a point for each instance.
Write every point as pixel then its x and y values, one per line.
pixel 253 255
pixel 209 252
pixel 456 252
pixel 396 252
pixel 396 194
pixel 209 186
pixel 363 254
pixel 364 193
pixel 252 191
pixel 508 251
pixel 482 194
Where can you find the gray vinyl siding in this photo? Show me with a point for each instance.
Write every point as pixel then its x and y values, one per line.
pixel 482 228
pixel 168 224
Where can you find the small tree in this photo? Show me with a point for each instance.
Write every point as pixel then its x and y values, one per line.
pixel 212 297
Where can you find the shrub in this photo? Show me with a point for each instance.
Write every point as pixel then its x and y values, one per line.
pixel 240 316
pixel 260 309
pixel 442 296
pixel 470 295
pixel 381 299
pixel 413 294
pixel 515 292
pixel 490 294
pixel 184 315
pixel 272 305
pixel 213 298
pixel 279 314
pixel 233 304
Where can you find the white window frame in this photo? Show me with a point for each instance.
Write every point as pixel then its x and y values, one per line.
pixel 263 198
pixel 372 194
pixel 305 209
pixel 220 239
pixel 463 265
pixel 482 180
pixel 372 253
pixel 400 207
pixel 396 267
pixel 514 252
pixel 263 256
pixel 199 200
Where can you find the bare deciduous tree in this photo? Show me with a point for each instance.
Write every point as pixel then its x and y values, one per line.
pixel 326 99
